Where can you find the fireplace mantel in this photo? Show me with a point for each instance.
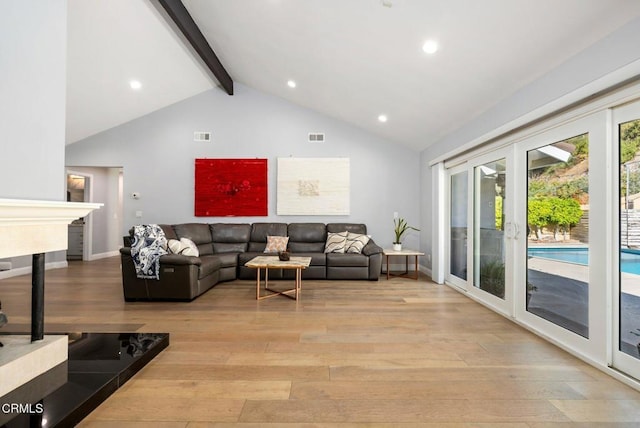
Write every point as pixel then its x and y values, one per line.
pixel 32 227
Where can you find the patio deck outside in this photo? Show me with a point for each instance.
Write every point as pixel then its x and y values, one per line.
pixel 562 298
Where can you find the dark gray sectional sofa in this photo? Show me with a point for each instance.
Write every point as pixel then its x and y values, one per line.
pixel 225 247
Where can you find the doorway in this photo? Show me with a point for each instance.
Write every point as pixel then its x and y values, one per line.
pixel 102 229
pixel 79 231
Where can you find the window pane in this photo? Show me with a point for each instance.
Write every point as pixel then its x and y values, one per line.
pixel 458 238
pixel 630 238
pixel 489 182
pixel 557 241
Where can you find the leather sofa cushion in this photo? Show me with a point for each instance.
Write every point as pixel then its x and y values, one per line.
pixel 317 259
pixel 349 227
pixel 307 232
pixel 347 260
pixel 199 233
pixel 230 237
pixel 209 265
pixel 245 257
pixel 228 259
pixel 260 231
pixel 168 231
pixel 223 247
pixel 350 272
pixel 230 232
pixel 306 247
pixel 307 237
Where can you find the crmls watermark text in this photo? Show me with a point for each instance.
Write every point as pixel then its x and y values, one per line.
pixel 7 408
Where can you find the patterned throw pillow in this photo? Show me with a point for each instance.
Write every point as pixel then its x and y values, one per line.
pixel 356 242
pixel 336 242
pixel 276 244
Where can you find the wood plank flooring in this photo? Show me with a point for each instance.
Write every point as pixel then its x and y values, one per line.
pixel 348 353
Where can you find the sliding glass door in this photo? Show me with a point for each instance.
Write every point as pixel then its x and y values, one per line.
pixel 489 231
pixel 521 231
pixel 545 228
pixel 557 263
pixel 561 261
pixel 480 229
pixel 626 356
pixel 458 226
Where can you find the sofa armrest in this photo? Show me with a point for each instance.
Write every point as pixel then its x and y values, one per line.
pixel 371 248
pixel 179 259
pixel 169 259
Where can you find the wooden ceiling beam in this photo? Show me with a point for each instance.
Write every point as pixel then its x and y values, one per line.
pixel 183 20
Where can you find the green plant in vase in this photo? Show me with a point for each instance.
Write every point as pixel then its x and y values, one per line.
pixel 400 228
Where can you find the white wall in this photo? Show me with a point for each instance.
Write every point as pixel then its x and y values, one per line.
pixel 33 46
pixel 33 41
pixel 157 153
pixel 607 60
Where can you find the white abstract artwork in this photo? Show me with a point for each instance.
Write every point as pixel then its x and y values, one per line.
pixel 313 186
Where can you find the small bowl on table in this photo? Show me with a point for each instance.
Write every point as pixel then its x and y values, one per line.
pixel 284 256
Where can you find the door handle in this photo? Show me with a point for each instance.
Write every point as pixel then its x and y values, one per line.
pixel 511 230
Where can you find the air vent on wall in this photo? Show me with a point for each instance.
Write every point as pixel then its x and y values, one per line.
pixel 202 136
pixel 316 137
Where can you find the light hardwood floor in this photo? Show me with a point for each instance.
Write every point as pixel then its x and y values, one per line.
pixel 351 354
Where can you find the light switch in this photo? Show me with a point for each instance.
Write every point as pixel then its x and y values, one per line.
pixel 138 214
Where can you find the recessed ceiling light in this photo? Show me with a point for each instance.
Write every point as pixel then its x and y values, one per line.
pixel 382 118
pixel 135 84
pixel 291 83
pixel 430 46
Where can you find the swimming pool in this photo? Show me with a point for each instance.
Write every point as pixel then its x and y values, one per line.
pixel 629 259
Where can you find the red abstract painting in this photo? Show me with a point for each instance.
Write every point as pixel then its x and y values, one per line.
pixel 231 187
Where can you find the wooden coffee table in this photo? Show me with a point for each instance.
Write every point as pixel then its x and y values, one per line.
pixel 273 262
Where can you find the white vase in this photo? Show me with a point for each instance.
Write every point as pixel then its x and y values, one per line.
pixel 397 247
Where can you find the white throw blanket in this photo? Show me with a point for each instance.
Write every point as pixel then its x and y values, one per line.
pixel 149 243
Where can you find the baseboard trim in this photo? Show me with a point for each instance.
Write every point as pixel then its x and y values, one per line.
pixel 27 269
pixel 99 256
pixel 425 270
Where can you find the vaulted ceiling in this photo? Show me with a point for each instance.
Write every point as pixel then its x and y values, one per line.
pixel 353 60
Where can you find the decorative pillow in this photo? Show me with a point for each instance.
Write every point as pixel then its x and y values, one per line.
pixel 356 242
pixel 190 248
pixel 336 242
pixel 184 246
pixel 276 244
pixel 174 246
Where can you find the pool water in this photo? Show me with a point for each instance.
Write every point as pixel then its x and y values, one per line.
pixel 629 259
